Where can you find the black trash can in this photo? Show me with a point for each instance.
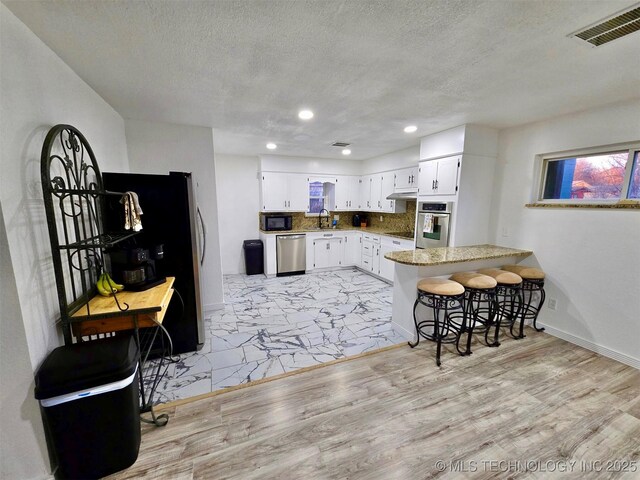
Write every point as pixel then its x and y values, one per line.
pixel 253 257
pixel 90 408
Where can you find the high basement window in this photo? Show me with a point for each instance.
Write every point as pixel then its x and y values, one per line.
pixel 600 176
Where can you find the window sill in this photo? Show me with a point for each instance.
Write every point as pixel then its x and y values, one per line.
pixel 624 205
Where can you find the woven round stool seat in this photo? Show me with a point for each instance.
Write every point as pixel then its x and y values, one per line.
pixel 502 276
pixel 527 273
pixel 474 280
pixel 440 299
pixel 440 286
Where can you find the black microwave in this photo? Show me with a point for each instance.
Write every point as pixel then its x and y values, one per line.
pixel 271 223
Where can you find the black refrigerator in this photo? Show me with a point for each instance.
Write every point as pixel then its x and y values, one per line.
pixel 170 217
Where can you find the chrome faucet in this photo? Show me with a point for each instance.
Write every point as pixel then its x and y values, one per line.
pixel 320 217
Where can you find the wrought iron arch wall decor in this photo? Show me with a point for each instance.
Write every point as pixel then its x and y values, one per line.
pixel 73 195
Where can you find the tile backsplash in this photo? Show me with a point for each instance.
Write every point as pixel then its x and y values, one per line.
pixel 391 222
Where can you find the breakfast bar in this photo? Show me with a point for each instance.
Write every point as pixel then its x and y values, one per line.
pixel 413 265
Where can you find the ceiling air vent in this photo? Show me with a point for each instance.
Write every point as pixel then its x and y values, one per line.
pixel 340 144
pixel 612 28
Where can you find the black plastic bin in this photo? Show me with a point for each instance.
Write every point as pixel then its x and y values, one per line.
pixel 253 257
pixel 89 401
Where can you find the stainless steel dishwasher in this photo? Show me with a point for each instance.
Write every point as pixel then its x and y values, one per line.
pixel 291 254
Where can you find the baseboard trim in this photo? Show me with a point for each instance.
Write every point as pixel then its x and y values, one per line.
pixel 594 347
pixel 212 307
pixel 403 332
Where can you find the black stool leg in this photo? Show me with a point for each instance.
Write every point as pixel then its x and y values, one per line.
pixel 470 316
pixel 543 296
pixel 438 333
pixel 415 322
pixel 493 320
pixel 520 313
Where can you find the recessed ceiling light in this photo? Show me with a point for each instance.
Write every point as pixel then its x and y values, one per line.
pixel 410 129
pixel 346 151
pixel 272 146
pixel 305 114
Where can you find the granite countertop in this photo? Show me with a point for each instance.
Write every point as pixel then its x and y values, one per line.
pixel 373 230
pixel 443 255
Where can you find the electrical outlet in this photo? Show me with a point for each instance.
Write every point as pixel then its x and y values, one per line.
pixel 381 218
pixel 553 304
pixel 336 217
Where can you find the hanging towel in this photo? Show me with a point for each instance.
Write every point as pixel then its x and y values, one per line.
pixel 428 223
pixel 132 211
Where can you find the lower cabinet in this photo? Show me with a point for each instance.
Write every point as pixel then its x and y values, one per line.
pixel 386 266
pixel 335 249
pixel 353 249
pixel 387 245
pixel 328 252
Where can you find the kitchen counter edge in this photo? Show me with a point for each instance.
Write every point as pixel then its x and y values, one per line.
pixel 446 255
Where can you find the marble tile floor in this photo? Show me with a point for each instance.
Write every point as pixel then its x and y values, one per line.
pixel 271 326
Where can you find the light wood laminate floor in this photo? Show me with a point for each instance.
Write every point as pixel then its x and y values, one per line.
pixel 534 408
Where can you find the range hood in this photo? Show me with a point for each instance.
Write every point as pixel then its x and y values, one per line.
pixel 403 196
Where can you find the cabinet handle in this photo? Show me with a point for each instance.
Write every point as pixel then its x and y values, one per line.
pixel 436 184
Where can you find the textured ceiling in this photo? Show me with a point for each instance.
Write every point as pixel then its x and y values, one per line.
pixel 366 68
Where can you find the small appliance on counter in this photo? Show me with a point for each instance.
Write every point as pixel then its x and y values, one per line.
pixel 276 222
pixel 355 221
pixel 136 268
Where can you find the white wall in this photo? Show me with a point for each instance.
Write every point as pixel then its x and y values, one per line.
pixel 163 147
pixel 321 166
pixel 408 157
pixel 238 206
pixel 591 257
pixel 37 91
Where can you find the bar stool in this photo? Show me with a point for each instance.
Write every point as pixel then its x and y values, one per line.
pixel 479 305
pixel 532 282
pixel 508 298
pixel 442 296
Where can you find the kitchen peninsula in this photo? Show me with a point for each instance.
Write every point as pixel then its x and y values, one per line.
pixel 412 265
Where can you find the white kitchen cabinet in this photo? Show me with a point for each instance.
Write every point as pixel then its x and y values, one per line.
pixel 273 192
pixel 347 193
pixel 375 260
pixel 385 269
pixel 406 180
pixel 298 188
pixel 371 253
pixel 353 249
pixel 375 193
pixel 328 252
pixel 387 245
pixel 387 187
pixel 365 192
pixel 439 177
pixel 284 192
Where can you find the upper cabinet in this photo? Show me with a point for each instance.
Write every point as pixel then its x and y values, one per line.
pixel 347 193
pixel 387 187
pixel 406 180
pixel 294 192
pixel 439 177
pixel 284 192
